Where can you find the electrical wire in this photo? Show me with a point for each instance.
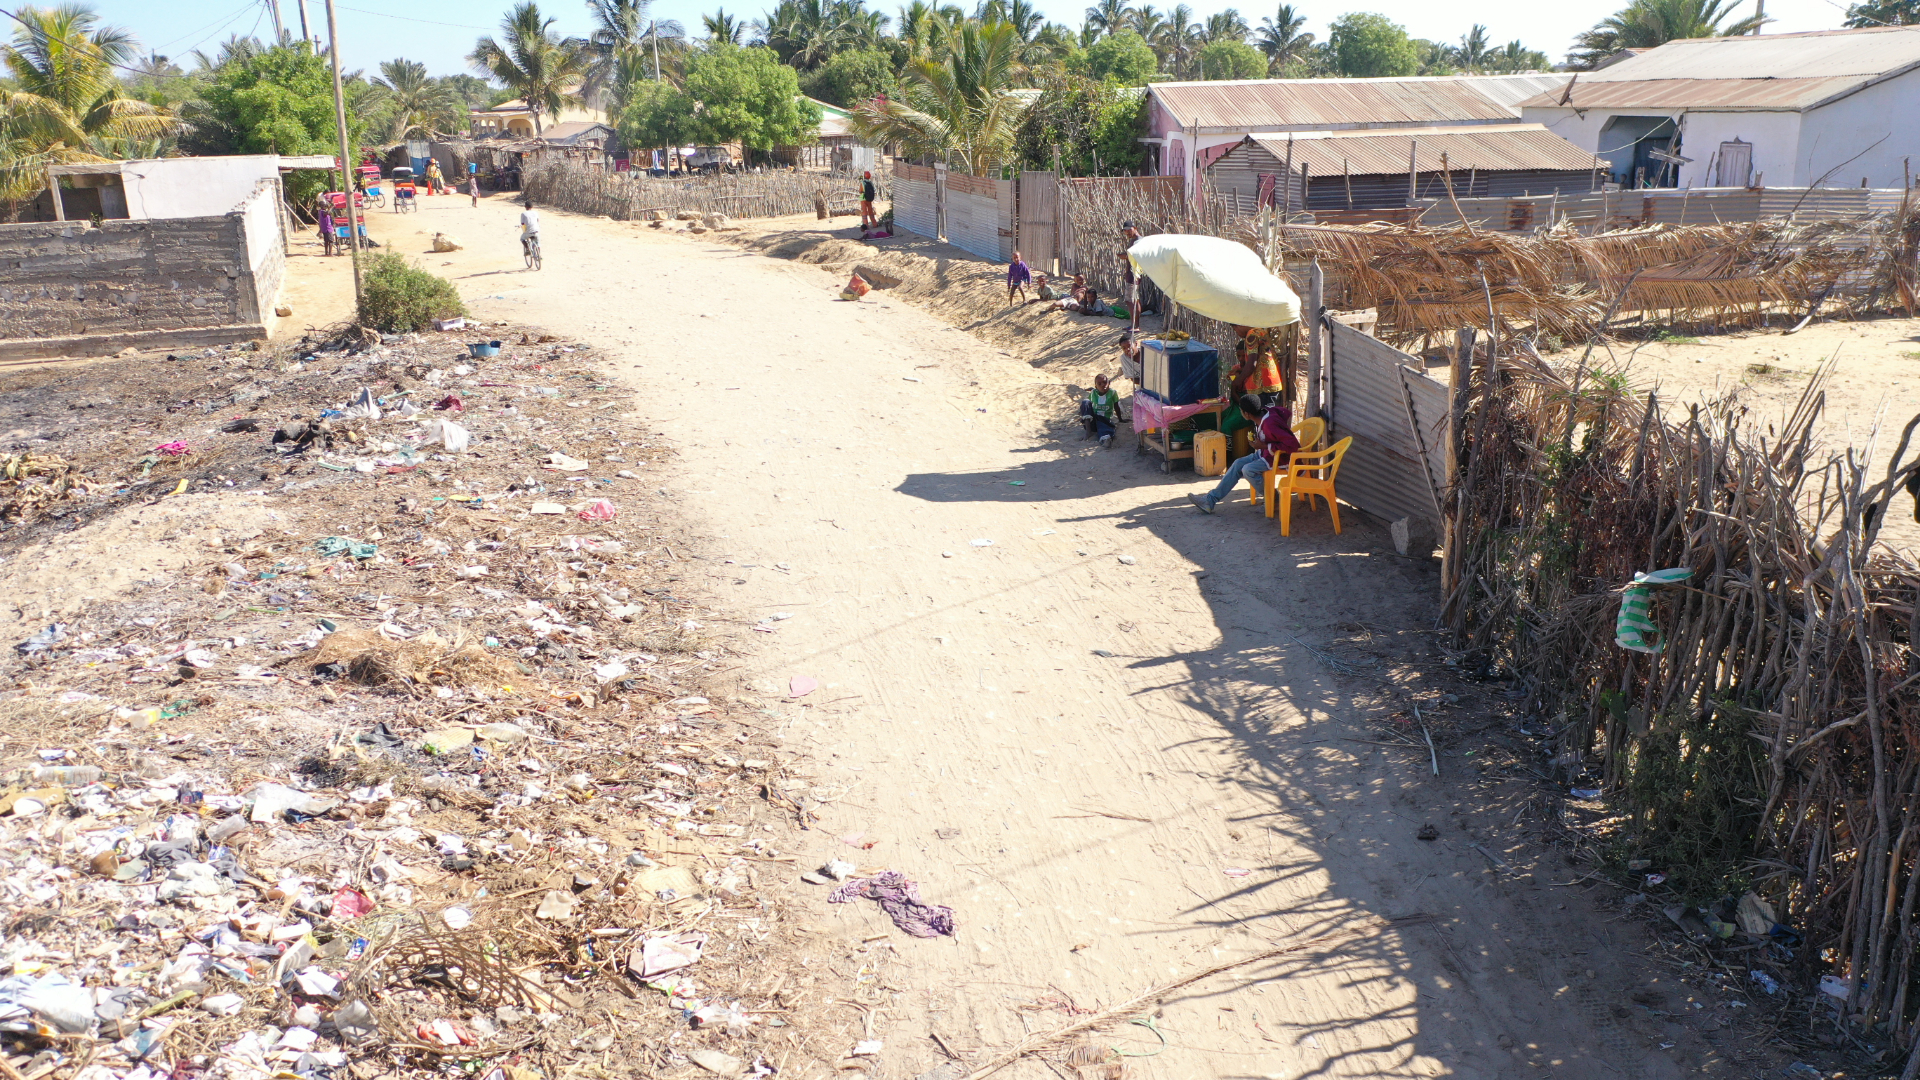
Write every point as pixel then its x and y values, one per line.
pixel 220 23
pixel 409 18
pixel 151 74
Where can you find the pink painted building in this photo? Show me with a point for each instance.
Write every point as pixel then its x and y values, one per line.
pixel 1190 124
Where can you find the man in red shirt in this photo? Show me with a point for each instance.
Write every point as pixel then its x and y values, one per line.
pixel 1277 445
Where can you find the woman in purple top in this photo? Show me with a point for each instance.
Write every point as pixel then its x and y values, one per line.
pixel 1019 276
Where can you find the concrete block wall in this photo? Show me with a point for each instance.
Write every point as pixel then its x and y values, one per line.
pixel 76 289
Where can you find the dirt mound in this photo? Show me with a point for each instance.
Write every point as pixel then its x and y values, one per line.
pixel 1066 350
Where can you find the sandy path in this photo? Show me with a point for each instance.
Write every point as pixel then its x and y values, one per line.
pixel 1100 824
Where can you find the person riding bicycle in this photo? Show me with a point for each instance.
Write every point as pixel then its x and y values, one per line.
pixel 529 227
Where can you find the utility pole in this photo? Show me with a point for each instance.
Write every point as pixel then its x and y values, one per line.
pixel 346 159
pixel 653 31
pixel 279 32
pixel 305 34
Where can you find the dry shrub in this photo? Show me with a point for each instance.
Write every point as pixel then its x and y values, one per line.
pixel 367 658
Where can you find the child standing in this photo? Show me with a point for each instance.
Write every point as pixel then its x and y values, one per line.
pixel 1019 276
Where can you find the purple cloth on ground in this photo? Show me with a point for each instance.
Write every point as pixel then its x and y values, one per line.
pixel 900 899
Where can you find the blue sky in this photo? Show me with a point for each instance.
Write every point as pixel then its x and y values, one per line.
pixel 440 33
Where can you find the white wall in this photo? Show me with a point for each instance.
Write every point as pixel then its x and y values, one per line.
pixel 1774 136
pixel 1888 113
pixel 193 186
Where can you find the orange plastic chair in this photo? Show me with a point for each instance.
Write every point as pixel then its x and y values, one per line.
pixel 1308 433
pixel 1305 477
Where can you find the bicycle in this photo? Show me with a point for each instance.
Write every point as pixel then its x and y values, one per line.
pixel 530 247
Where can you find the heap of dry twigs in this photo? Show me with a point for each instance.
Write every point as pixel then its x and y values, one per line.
pixel 1774 742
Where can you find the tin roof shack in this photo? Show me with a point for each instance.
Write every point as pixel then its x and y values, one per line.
pixel 1190 124
pixel 1362 170
pixel 1834 108
pixel 77 288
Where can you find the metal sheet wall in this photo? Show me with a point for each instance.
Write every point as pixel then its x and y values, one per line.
pixel 913 205
pixel 1393 469
pixel 973 222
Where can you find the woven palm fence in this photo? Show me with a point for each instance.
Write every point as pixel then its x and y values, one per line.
pixel 630 196
pixel 1772 742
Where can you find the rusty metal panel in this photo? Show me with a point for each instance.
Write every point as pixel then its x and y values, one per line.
pixel 1278 104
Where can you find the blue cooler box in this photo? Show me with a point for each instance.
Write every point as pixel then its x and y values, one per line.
pixel 1179 375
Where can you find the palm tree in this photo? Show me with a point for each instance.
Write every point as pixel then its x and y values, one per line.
pixel 1228 25
pixel 957 107
pixel 545 69
pixel 66 104
pixel 1178 41
pixel 1109 15
pixel 417 103
pixel 723 27
pixel 1282 39
pixel 624 31
pixel 1515 57
pixel 806 33
pixel 1644 24
pixel 231 51
pixel 1474 48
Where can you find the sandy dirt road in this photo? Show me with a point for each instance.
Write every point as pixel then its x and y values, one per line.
pixel 1100 823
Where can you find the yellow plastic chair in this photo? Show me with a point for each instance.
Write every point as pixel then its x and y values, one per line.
pixel 1310 475
pixel 1308 433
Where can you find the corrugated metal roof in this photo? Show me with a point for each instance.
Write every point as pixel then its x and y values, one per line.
pixel 1506 147
pixel 1767 72
pixel 1766 95
pixel 1511 90
pixel 1319 104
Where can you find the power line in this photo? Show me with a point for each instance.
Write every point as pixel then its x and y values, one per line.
pixel 220 22
pixel 408 18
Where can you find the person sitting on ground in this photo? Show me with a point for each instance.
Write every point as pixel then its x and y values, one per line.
pixel 1277 446
pixel 1098 411
pixel 1044 289
pixel 1019 276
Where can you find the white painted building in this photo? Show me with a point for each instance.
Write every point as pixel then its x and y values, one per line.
pixel 1834 108
pixel 148 189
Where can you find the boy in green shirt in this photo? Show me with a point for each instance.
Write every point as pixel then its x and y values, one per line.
pixel 1097 412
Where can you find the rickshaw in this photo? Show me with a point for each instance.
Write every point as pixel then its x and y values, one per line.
pixel 342 231
pixel 403 190
pixel 369 183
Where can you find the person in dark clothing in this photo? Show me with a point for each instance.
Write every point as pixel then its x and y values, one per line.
pixel 1277 446
pixel 868 193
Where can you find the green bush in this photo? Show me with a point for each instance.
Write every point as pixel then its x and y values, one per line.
pixel 398 297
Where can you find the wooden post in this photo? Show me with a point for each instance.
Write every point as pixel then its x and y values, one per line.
pixel 346 158
pixel 1316 288
pixel 1459 381
pixel 1287 176
pixel 1346 177
pixel 53 192
pixel 1413 183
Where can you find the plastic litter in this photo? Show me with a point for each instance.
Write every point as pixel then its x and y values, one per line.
pixel 1834 986
pixel 659 955
pixel 363 405
pixel 562 463
pixel 173 449
pixel 330 546
pixel 448 434
pixel 1766 981
pixel 802 685
pixel 598 510
pixel 43 641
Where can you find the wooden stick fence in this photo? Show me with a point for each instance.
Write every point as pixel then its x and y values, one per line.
pixel 629 196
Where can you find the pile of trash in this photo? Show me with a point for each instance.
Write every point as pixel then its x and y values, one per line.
pixel 417 772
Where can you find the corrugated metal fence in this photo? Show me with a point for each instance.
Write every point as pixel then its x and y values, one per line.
pixel 1397 416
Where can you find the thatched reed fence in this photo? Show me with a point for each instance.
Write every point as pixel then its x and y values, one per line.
pixel 1554 285
pixel 629 196
pixel 1773 743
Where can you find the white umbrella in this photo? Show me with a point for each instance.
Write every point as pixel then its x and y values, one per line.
pixel 1220 279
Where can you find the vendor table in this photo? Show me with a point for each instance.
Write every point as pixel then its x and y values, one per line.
pixel 1151 415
